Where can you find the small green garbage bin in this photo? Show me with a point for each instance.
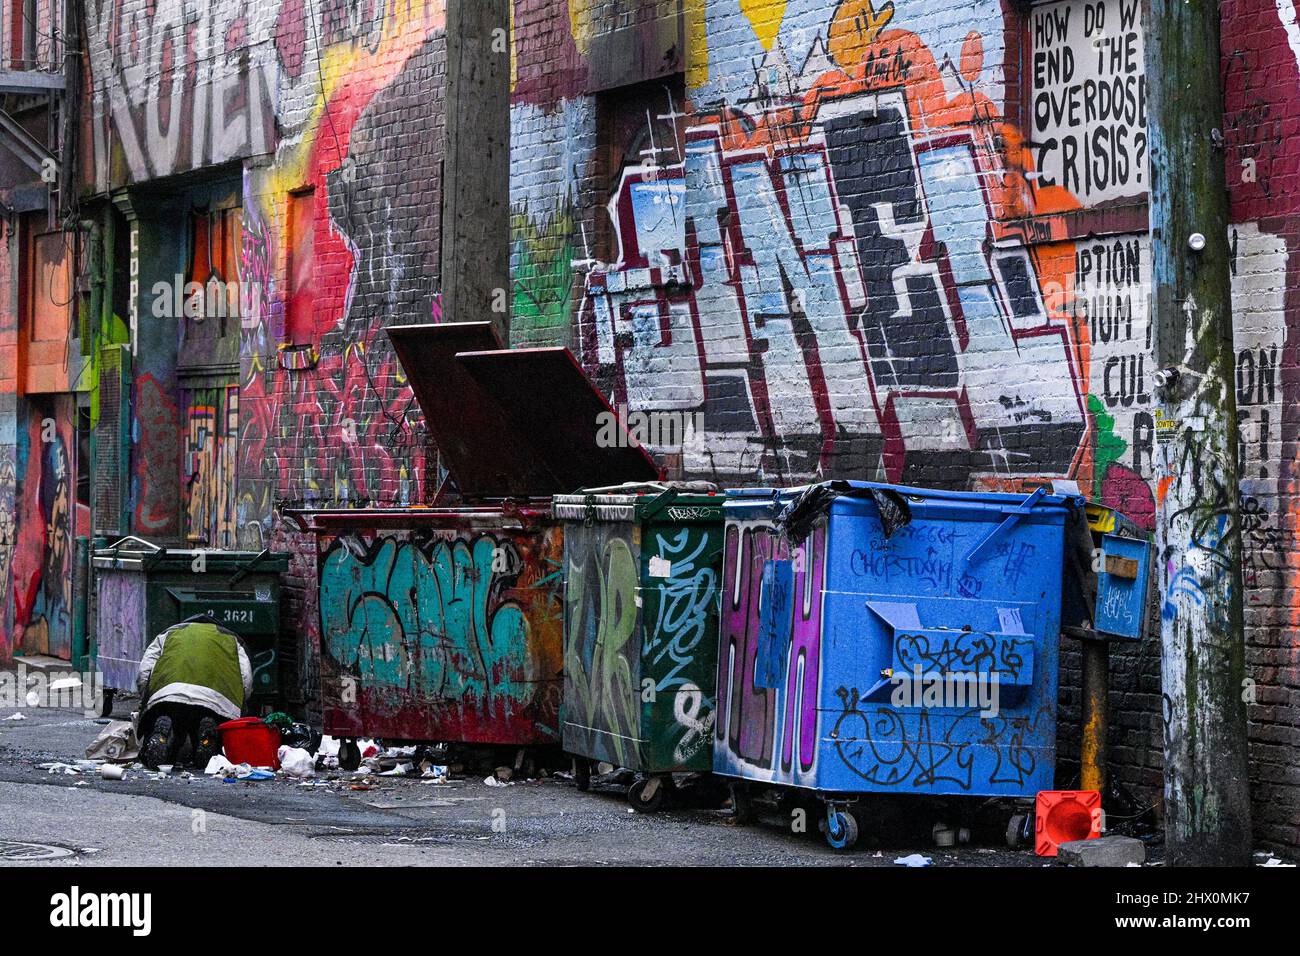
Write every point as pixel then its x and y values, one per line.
pixel 643 565
pixel 143 589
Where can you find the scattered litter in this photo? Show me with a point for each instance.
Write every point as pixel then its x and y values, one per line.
pixel 494 782
pixel 1274 861
pixel 401 770
pixel 914 859
pixel 58 767
pixel 297 762
pixel 245 772
pixel 435 772
pixel 16 716
pixel 111 771
pixel 399 752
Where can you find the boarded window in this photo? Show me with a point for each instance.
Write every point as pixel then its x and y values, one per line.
pixel 211 444
pixel 215 237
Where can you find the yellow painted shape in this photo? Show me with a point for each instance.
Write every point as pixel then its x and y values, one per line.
pixel 580 25
pixel 697 44
pixel 765 18
pixel 854 27
pixel 1100 518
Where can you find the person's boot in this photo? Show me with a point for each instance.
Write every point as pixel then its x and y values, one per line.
pixel 207 742
pixel 160 745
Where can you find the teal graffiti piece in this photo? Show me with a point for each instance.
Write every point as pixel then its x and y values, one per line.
pixel 429 621
pixel 345 581
pixel 379 657
pixel 503 638
pixel 462 672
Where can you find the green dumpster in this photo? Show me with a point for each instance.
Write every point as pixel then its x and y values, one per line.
pixel 142 589
pixel 642 567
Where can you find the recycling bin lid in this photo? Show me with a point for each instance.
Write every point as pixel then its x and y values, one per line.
pixel 137 554
pixel 671 501
pixel 513 422
pixel 861 489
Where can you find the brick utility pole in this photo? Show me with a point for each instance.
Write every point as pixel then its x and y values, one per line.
pixel 1198 532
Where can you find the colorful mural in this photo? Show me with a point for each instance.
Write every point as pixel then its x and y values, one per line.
pixel 327 415
pixel 863 245
pixel 47 520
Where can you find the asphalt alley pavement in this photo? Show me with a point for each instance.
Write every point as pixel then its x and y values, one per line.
pixel 398 821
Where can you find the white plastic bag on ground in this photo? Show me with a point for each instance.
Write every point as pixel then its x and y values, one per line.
pixel 218 766
pixel 297 762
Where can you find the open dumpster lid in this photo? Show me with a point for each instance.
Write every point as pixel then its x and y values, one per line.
pixel 510 423
pixel 547 397
pixel 475 438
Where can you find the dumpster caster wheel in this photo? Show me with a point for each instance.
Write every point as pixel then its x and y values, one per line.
pixel 742 804
pixel 841 828
pixel 349 755
pixel 106 704
pixel 1019 830
pixel 646 794
pixel 582 774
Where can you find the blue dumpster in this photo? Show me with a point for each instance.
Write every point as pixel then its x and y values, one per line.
pixel 884 639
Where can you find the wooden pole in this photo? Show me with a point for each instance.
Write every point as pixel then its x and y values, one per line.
pixel 1198 533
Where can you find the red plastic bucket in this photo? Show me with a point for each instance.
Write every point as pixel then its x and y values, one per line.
pixel 249 740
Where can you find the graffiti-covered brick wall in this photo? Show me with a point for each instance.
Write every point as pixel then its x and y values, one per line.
pixel 296 149
pixel 908 241
pixel 335 111
pixel 330 419
pixel 1261 67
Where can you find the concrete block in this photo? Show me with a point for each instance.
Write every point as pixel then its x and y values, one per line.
pixel 1103 851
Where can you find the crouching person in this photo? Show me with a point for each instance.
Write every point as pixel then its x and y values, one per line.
pixel 193 677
